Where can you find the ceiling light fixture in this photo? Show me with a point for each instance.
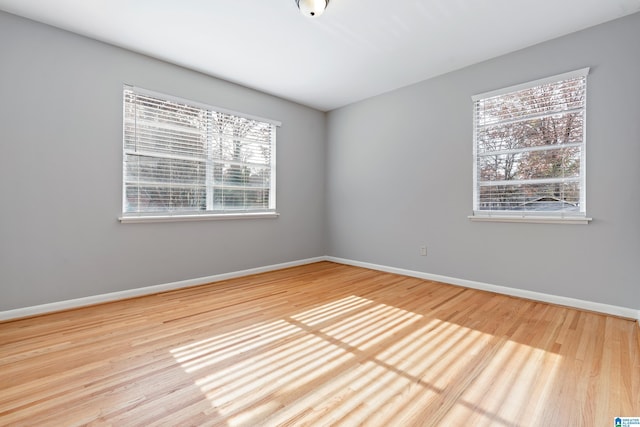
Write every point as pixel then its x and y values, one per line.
pixel 312 8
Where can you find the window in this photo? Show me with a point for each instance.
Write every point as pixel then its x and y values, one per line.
pixel 184 160
pixel 529 150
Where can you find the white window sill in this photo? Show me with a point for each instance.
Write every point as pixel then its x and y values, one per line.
pixel 531 219
pixel 197 217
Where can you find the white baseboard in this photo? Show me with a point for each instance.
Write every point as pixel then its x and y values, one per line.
pixel 131 293
pixel 114 296
pixel 629 313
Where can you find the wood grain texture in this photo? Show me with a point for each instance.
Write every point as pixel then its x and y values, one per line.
pixel 321 344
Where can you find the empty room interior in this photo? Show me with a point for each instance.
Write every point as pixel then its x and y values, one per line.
pixel 310 212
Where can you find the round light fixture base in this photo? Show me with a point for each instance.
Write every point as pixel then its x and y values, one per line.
pixel 312 8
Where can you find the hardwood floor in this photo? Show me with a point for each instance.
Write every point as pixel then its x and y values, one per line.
pixel 322 344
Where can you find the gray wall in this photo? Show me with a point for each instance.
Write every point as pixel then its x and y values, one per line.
pixel 395 171
pixel 61 175
pixel 399 175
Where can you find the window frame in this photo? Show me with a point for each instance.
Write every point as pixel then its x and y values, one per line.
pixel 559 216
pixel 207 214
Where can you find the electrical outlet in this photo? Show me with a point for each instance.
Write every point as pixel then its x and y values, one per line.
pixel 423 250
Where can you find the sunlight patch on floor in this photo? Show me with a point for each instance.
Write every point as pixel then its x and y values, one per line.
pixel 358 360
pixel 517 376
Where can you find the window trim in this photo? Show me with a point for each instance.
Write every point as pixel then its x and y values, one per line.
pixel 130 219
pixel 534 219
pixel 177 216
pixel 559 217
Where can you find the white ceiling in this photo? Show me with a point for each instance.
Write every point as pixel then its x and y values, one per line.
pixel 355 50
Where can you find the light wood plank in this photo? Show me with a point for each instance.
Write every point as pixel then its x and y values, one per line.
pixel 321 344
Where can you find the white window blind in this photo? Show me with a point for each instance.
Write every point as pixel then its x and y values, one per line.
pixel 185 158
pixel 529 148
